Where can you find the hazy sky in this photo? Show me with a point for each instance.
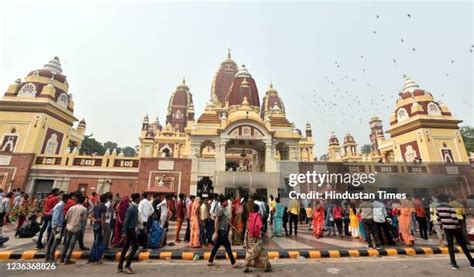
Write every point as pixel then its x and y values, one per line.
pixel 123 59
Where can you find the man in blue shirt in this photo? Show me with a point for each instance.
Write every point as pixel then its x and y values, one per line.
pixel 57 223
pixel 129 232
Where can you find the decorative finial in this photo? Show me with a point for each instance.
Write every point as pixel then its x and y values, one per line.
pixel 271 84
pixel 228 54
pixel 184 80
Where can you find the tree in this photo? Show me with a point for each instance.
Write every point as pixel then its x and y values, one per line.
pixel 128 151
pixel 366 149
pixel 90 146
pixel 467 133
pixel 111 145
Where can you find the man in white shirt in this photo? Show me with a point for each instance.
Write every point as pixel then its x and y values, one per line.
pixel 381 224
pixel 145 210
pixel 109 217
pixel 4 210
pixel 163 208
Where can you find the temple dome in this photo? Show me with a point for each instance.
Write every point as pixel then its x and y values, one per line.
pixel 223 80
pixel 416 101
pixel 272 103
pixel 242 87
pixel 333 140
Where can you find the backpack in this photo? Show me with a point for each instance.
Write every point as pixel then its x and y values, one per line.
pixel 156 235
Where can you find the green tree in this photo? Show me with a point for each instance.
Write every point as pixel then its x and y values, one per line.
pixel 128 151
pixel 90 146
pixel 111 145
pixel 467 133
pixel 366 149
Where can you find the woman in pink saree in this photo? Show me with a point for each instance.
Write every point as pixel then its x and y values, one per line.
pixel 121 211
pixel 318 219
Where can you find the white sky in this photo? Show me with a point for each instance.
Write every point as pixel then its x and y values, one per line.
pixel 123 59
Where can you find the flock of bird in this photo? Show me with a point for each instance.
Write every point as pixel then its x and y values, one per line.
pixel 349 99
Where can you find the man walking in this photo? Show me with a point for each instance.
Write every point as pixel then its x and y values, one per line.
pixel 49 204
pixel 294 212
pixel 129 232
pixel 381 224
pixel 75 218
pixel 436 224
pixel 221 226
pixel 57 222
pixel 145 210
pixel 447 217
pixel 367 214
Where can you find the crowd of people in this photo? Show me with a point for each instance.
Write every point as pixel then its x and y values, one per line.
pixel 217 220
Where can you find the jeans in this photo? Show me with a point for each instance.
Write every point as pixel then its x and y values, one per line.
pixel 46 226
pixel 439 233
pixel 346 226
pixel 209 230
pixel 338 222
pixel 422 224
pixel 132 240
pixel 293 220
pixel 69 245
pixel 53 242
pixel 80 237
pixel 457 233
pixel 385 228
pixel 370 231
pixel 107 233
pixel 202 232
pixel 98 238
pixel 222 240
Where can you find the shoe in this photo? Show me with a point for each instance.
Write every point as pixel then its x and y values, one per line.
pixel 70 262
pixel 454 266
pixel 85 249
pixel 236 265
pixel 269 269
pixel 129 271
pixel 211 264
pixel 38 247
pixel 246 270
pixel 472 266
pixel 61 261
pixel 119 270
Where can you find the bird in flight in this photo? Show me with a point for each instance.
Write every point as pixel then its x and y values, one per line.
pixel 409 15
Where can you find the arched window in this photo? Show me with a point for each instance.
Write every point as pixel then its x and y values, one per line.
pixel 433 109
pixel 28 90
pixel 63 100
pixel 402 115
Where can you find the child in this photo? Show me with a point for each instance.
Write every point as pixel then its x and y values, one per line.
pixel 255 255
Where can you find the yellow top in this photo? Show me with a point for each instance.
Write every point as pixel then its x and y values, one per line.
pixel 309 212
pixel 272 204
pixel 294 207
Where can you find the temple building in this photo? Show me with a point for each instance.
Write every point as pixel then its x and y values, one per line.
pixel 421 129
pixel 240 142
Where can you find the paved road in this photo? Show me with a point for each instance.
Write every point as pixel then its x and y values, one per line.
pixel 386 266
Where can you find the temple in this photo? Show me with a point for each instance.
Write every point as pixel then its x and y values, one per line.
pixel 240 141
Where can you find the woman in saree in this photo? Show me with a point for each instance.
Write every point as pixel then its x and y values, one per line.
pixel 255 254
pixel 353 222
pixel 361 225
pixel 318 219
pixel 404 222
pixel 121 211
pixel 237 210
pixel 194 240
pixel 278 213
pixel 23 211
